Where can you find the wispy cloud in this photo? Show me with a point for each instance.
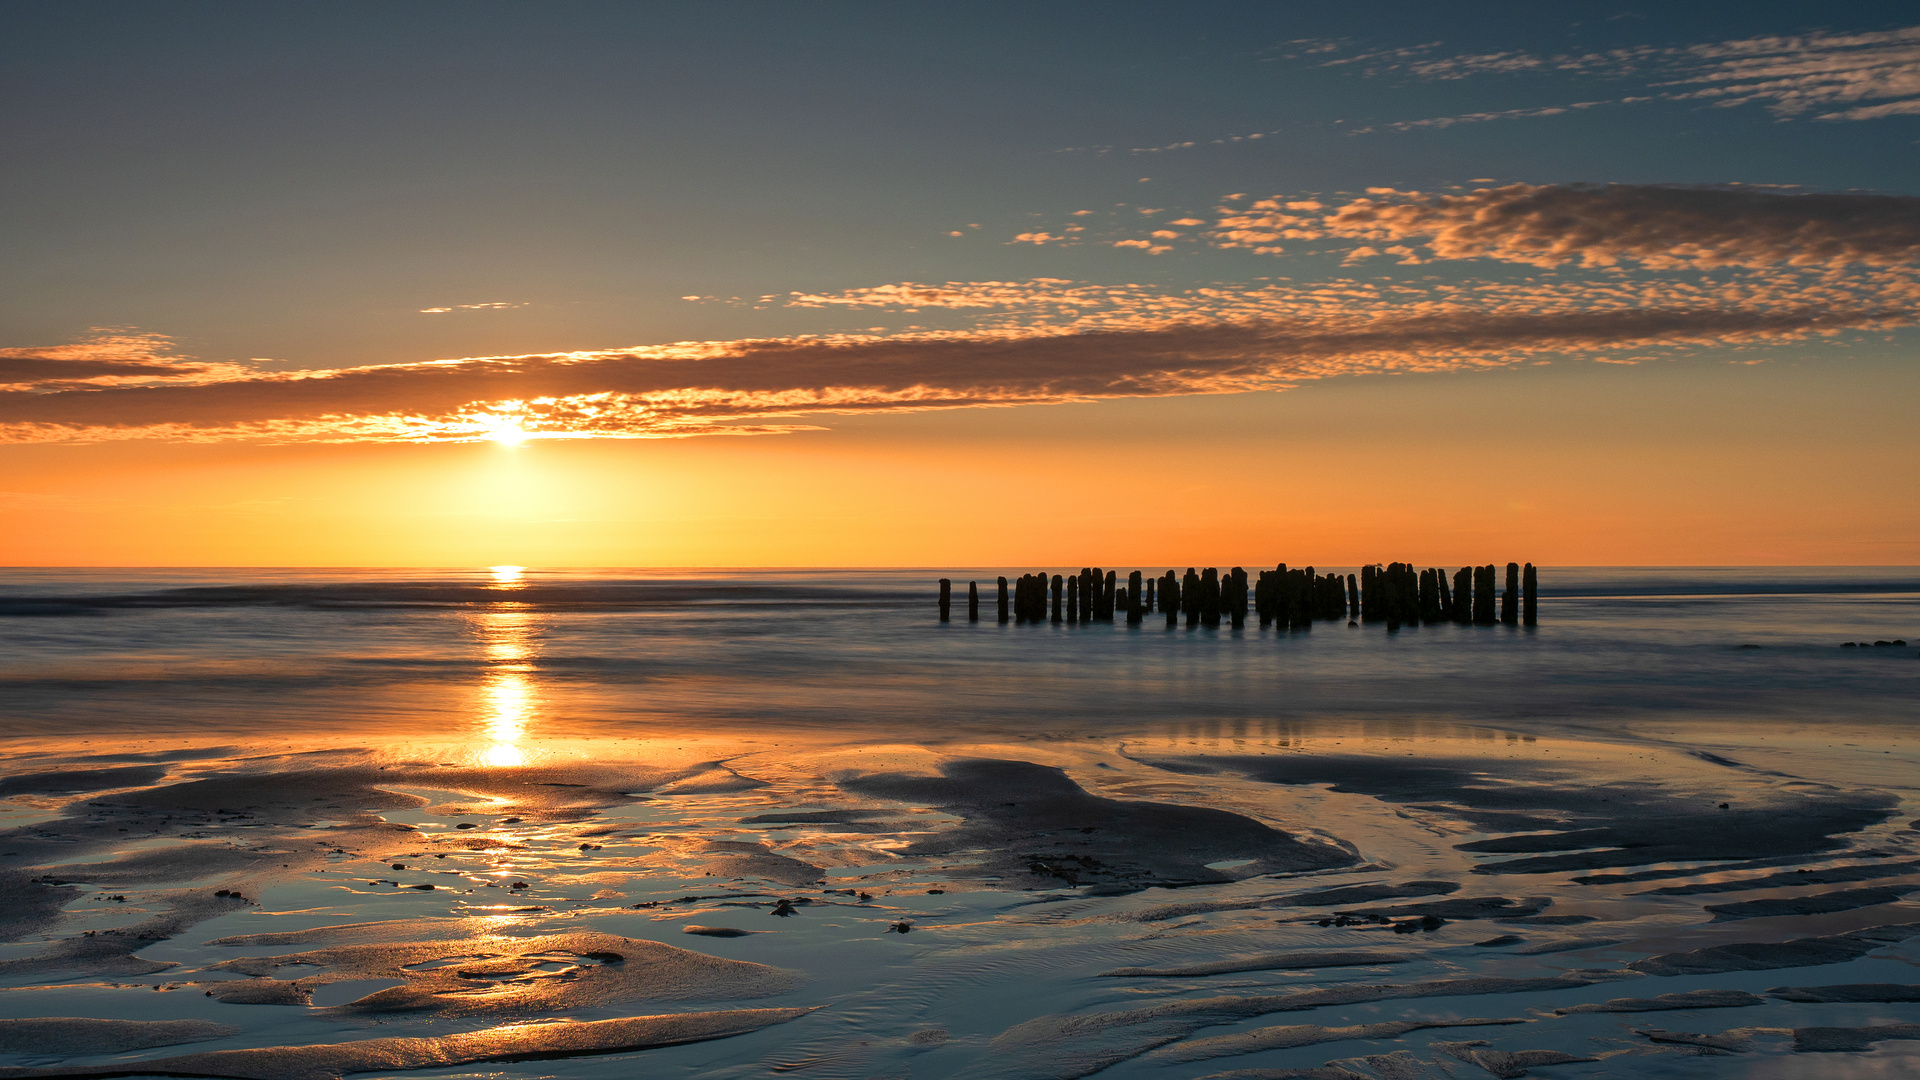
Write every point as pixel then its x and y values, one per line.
pixel 108 356
pixel 1035 342
pixel 1825 76
pixel 496 305
pixel 1656 227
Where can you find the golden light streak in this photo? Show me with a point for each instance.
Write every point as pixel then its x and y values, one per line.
pixel 508 695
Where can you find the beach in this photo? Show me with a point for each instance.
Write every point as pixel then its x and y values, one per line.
pixel 310 824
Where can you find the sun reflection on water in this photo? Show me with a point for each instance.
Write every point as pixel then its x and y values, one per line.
pixel 509 699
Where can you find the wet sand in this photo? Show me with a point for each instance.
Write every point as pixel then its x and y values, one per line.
pixel 1403 901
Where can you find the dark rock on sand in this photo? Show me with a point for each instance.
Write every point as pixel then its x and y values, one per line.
pixel 1497 942
pixel 512 1042
pixel 1849 992
pixel 1030 822
pixel 1824 1040
pixel 718 931
pixel 1287 961
pixel 68 1036
pixel 1367 894
pixel 1766 956
pixel 1817 904
pixel 1692 999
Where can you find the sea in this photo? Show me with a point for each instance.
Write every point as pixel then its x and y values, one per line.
pixel 654 754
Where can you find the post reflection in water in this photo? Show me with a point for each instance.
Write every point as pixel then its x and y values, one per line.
pixel 508 698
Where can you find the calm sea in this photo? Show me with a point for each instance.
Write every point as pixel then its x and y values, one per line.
pixel 505 660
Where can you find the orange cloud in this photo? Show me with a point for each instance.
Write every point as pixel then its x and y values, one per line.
pixel 1113 341
pixel 107 357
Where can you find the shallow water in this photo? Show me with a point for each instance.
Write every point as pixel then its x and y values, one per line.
pixel 606 733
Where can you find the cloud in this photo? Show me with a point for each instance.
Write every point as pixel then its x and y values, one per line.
pixel 1069 342
pixel 496 305
pixel 108 356
pixel 1657 227
pixel 1828 76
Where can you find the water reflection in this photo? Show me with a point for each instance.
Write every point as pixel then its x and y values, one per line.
pixel 509 698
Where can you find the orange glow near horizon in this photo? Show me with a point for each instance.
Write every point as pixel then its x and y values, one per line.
pixel 1622 466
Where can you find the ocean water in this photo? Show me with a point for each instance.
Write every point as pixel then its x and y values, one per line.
pixel 379 654
pixel 660 738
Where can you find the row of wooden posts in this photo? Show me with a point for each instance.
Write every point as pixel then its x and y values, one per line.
pixel 1396 594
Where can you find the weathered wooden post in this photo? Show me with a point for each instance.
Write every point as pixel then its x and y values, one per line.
pixel 946 597
pixel 1353 598
pixel 1059 588
pixel 1106 595
pixel 1134 609
pixel 1152 599
pixel 1510 599
pixel 973 601
pixel 1483 596
pixel 1463 595
pixel 1170 599
pixel 1003 599
pixel 1190 597
pixel 1446 594
pixel 1073 599
pixel 1237 605
pixel 1529 596
pixel 1089 594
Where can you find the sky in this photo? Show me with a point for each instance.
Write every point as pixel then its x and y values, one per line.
pixel 958 285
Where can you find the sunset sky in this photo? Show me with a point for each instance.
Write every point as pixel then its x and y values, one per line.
pixel 968 285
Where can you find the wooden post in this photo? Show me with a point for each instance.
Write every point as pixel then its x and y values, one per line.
pixel 1446 595
pixel 973 601
pixel 1237 600
pixel 1510 599
pixel 1529 596
pixel 1003 599
pixel 1152 599
pixel 1106 595
pixel 1353 598
pixel 1190 597
pixel 1134 609
pixel 1059 588
pixel 1483 596
pixel 1170 599
pixel 1088 602
pixel 1463 595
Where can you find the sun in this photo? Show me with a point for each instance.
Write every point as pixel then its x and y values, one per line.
pixel 508 433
